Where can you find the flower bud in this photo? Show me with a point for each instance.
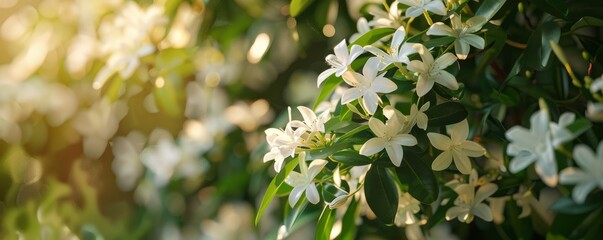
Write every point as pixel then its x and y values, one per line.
pixel 339 201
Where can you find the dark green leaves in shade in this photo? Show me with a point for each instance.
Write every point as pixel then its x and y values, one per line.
pixel 446 113
pixel 381 194
pixel 422 183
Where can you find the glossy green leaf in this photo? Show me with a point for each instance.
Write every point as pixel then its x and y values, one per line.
pixel 446 113
pixel 557 8
pixel 509 96
pixel 489 8
pixel 167 96
pixel 351 158
pixel 539 48
pixel 381 194
pixel 273 187
pixel 373 36
pixel 348 223
pixel 323 153
pixel 327 88
pixel 437 42
pixel 422 183
pixel 354 132
pixel 298 6
pixel 587 22
pixel 325 224
pixel 293 214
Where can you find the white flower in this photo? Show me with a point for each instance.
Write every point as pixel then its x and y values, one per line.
pixel 98 124
pixel 537 145
pixel 312 122
pixel 161 160
pixel 596 85
pixel 590 174
pixel 594 111
pixel 431 71
pixel 523 199
pixel 126 38
pixel 126 165
pixel 456 147
pixel 282 143
pixel 388 136
pixel 463 32
pixel 407 207
pixel 470 203
pixel 417 7
pixel 340 61
pixel 362 26
pixel 303 181
pixel 398 52
pixel 367 85
pixel 418 117
pixel 331 104
pixel 382 19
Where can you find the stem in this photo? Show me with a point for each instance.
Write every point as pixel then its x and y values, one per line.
pixel 408 24
pixel 403 71
pixel 427 17
pixel 516 44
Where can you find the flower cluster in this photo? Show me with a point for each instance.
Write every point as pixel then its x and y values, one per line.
pixel 409 107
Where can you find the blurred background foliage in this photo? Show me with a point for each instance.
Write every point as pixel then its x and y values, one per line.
pixel 144 119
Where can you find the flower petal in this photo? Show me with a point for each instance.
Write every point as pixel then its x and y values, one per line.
pixel 413 12
pixel 398 38
pixel 442 161
pixel 377 127
pixel 383 85
pixel 404 140
pixel 521 161
pixel 417 66
pixel 341 50
pixel 461 49
pixel 324 75
pixel 353 78
pixel 295 194
pixel 315 167
pixel 439 141
pixel 436 7
pixel 446 79
pixel 582 190
pixel 572 175
pixel 460 132
pixel 482 211
pixel 454 212
pixel 312 194
pixel 439 29
pixel 474 40
pixel 472 149
pixel 546 168
pixel 444 61
pixel 370 68
pixel 351 95
pixel 484 192
pixel 585 157
pixel 424 53
pixel 372 146
pixel 424 85
pixel 355 52
pixel 395 153
pixel 461 161
pixel 370 101
pixel 475 23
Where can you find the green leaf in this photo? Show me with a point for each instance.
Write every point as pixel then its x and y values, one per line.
pixel 325 224
pixel 373 36
pixel 323 153
pixel 557 8
pixel 292 214
pixel 348 223
pixel 489 8
pixel 354 131
pixel 298 6
pixel 509 96
pixel 437 42
pixel 422 183
pixel 446 113
pixel 579 126
pixel 351 158
pixel 587 22
pixel 539 48
pixel 167 95
pixel 381 194
pixel 328 86
pixel 273 187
